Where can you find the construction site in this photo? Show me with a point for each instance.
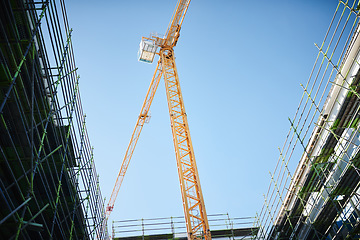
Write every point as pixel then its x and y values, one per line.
pixel 49 185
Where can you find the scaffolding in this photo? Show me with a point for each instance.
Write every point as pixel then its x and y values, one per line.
pixel 49 187
pixel 320 199
pixel 222 227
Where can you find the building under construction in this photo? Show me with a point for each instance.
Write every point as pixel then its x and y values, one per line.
pixel 49 188
pixel 320 200
pixel 48 183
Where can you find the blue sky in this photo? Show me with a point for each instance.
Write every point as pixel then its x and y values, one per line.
pixel 240 65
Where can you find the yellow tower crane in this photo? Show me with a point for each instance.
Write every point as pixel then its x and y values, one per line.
pixel 193 202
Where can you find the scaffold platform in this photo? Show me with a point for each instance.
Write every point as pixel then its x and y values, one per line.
pixel 221 225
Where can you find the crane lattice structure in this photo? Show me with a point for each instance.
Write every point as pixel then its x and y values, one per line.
pixel 193 202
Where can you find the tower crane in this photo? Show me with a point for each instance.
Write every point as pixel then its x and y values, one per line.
pixel 193 202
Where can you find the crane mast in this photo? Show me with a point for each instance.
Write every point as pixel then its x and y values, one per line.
pixel 193 203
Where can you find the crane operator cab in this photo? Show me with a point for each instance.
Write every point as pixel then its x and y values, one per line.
pixel 147 51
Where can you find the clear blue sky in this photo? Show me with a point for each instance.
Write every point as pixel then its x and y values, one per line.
pixel 240 65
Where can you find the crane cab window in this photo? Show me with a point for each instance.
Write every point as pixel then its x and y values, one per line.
pixel 147 51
